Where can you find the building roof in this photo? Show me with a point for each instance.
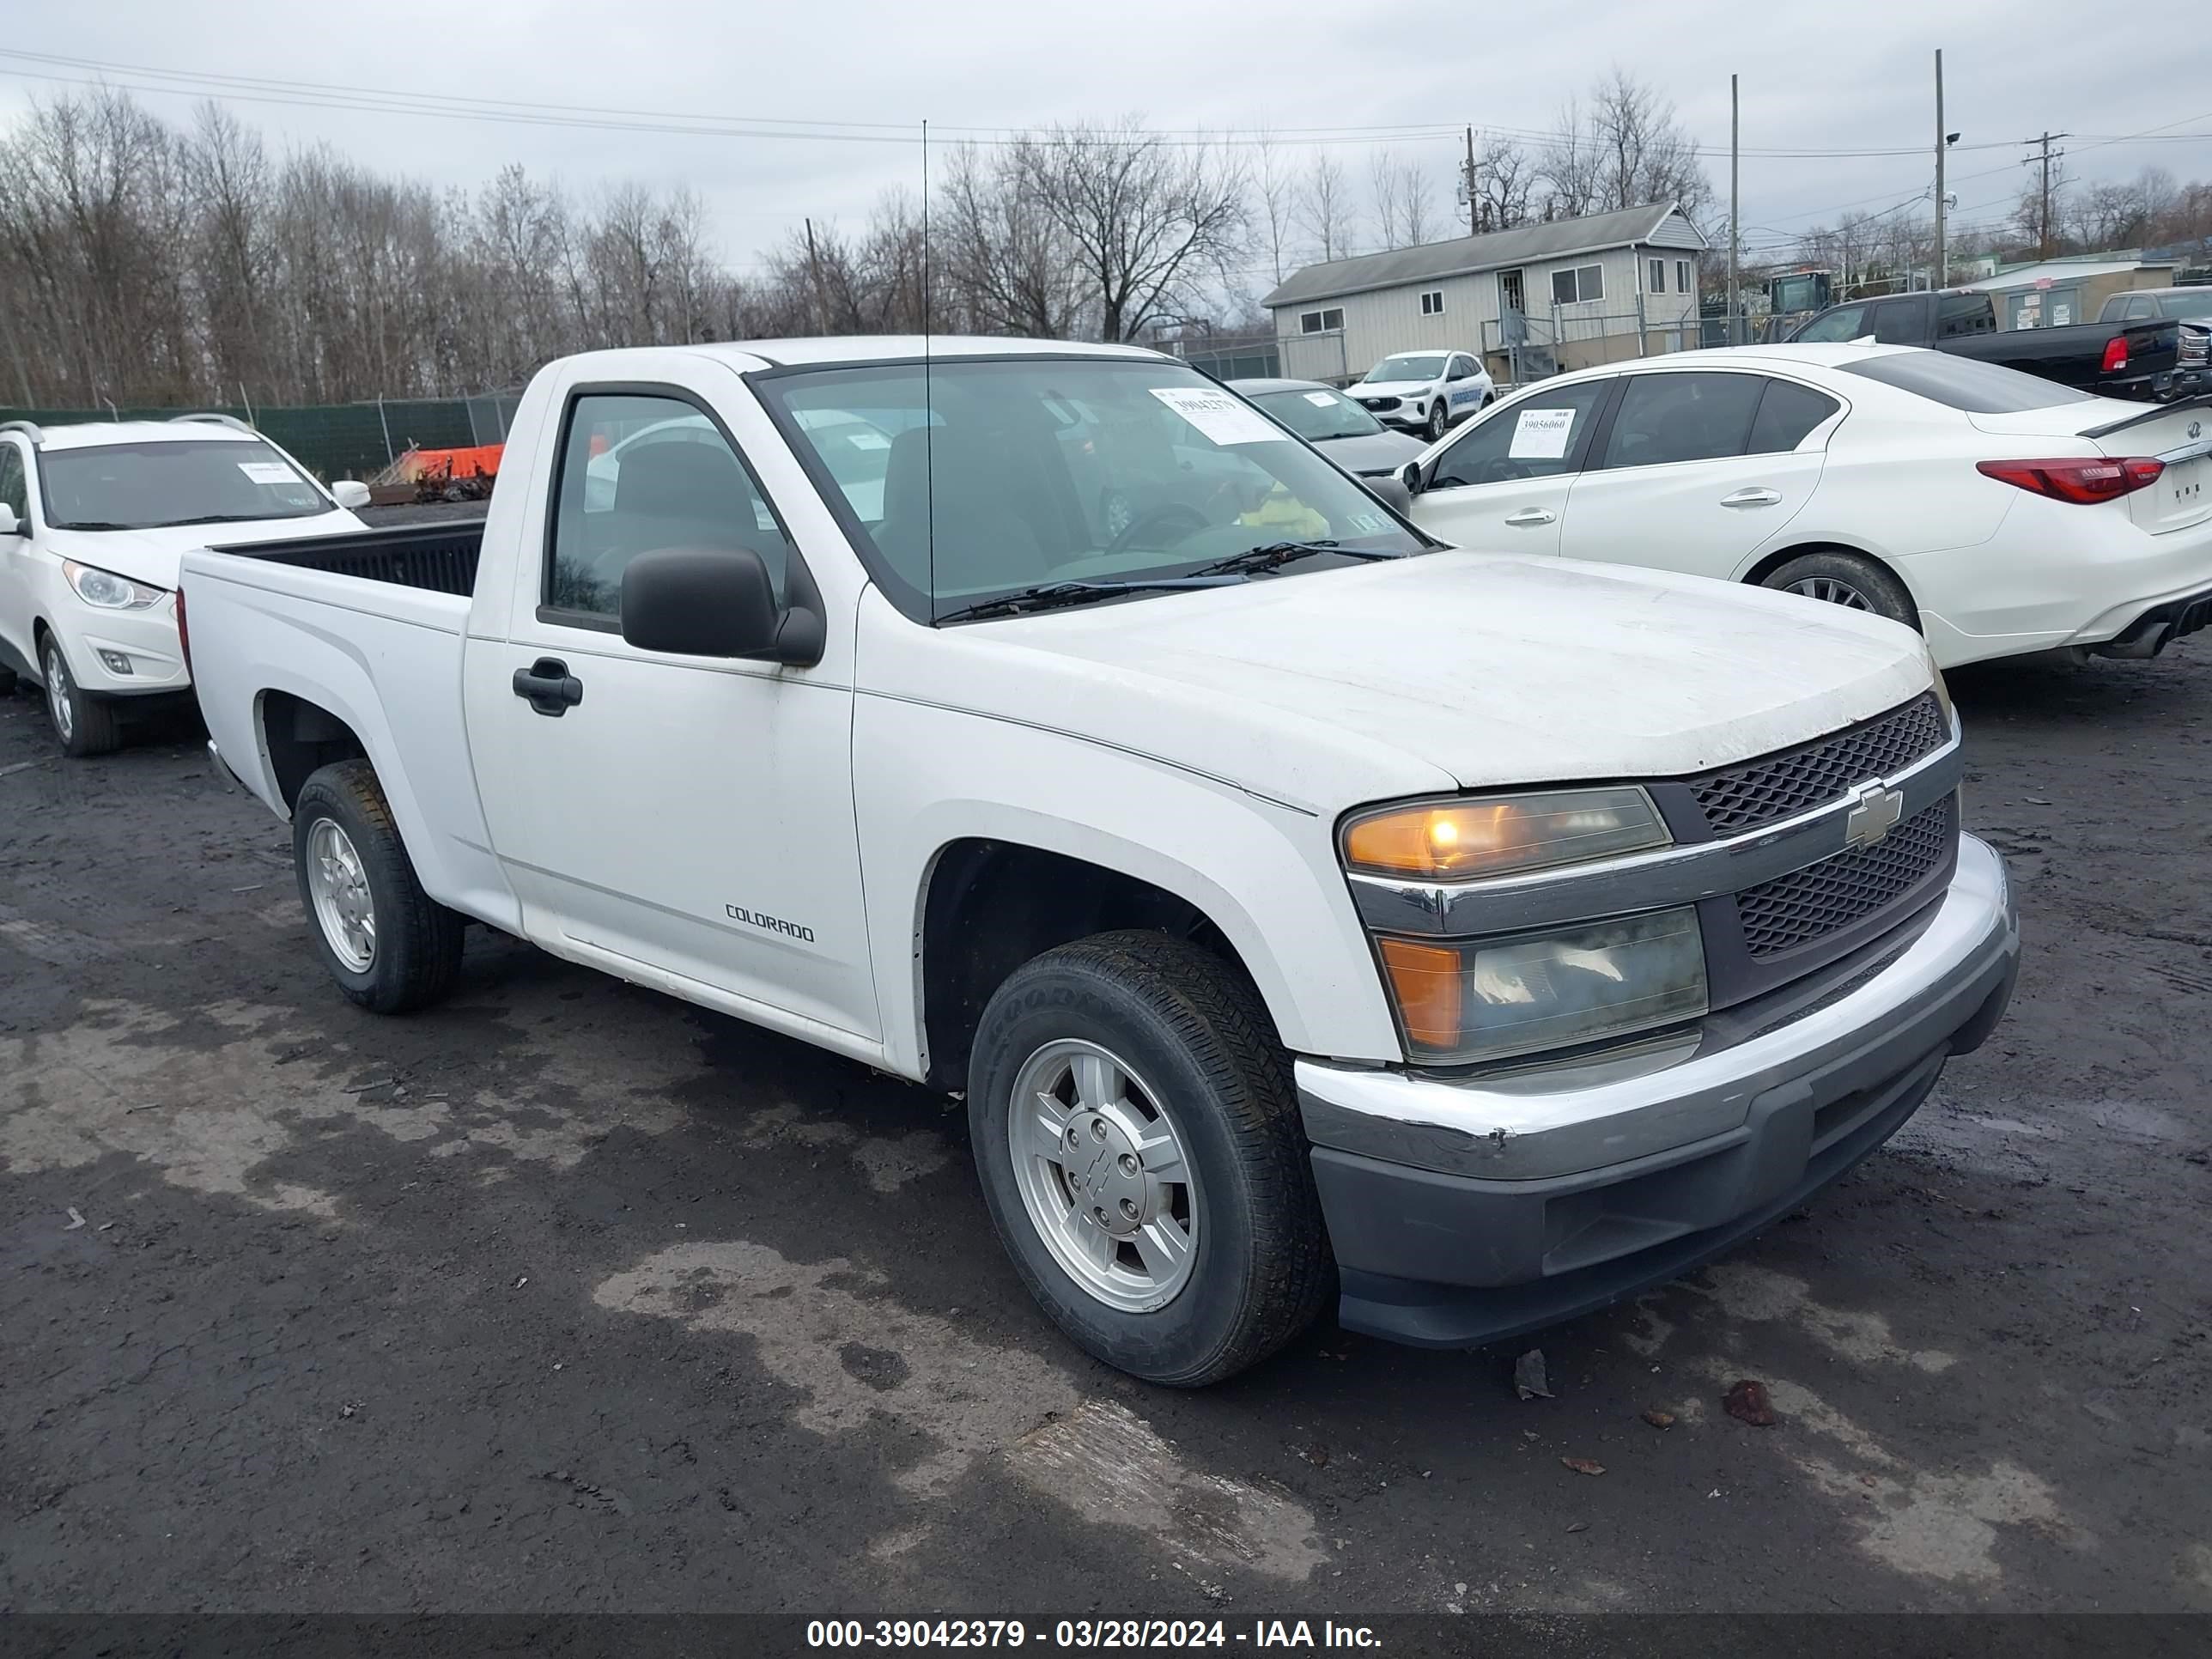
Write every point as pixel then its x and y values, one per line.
pixel 2062 270
pixel 1558 239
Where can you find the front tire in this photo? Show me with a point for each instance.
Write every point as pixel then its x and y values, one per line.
pixel 1438 422
pixel 390 945
pixel 1847 579
pixel 86 725
pixel 1136 1132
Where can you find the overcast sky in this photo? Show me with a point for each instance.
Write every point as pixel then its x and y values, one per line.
pixel 1855 77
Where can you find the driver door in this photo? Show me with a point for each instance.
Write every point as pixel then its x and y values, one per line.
pixel 1501 486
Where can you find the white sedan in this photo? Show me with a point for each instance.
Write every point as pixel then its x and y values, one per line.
pixel 1997 513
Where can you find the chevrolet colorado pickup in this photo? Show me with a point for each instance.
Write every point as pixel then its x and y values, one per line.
pixel 2145 362
pixel 1311 916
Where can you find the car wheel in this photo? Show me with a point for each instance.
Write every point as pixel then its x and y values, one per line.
pixel 85 724
pixel 1136 1132
pixel 1847 579
pixel 389 944
pixel 1438 423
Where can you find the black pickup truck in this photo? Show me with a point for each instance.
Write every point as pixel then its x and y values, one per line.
pixel 2150 361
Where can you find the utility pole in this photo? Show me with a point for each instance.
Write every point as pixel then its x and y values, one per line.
pixel 1474 223
pixel 2043 215
pixel 1940 276
pixel 1735 205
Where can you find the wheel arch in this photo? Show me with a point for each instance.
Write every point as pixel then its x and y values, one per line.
pixel 988 905
pixel 300 737
pixel 1767 563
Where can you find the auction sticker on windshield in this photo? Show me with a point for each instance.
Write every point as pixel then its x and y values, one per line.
pixel 1220 417
pixel 1540 434
pixel 269 472
pixel 1321 399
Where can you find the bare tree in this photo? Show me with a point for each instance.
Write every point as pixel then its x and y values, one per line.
pixel 1417 207
pixel 1505 181
pixel 1005 264
pixel 1149 219
pixel 1324 208
pixel 1383 186
pixel 1276 193
pixel 1625 149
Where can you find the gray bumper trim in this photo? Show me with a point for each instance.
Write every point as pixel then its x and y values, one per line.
pixel 1558 1122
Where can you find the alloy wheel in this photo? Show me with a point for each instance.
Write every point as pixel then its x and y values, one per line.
pixel 344 907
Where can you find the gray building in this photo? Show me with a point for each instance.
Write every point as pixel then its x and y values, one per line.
pixel 1562 294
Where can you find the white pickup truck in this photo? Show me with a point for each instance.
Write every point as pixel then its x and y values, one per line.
pixel 1311 914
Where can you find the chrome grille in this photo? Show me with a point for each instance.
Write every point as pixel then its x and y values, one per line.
pixel 1822 898
pixel 1765 791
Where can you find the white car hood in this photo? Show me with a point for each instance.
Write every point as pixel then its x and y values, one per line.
pixel 1477 669
pixel 1391 388
pixel 152 556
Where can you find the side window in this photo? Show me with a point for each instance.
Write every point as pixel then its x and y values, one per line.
pixel 1900 322
pixel 1658 275
pixel 1538 436
pixel 639 474
pixel 1786 413
pixel 1958 314
pixel 1682 275
pixel 1683 417
pixel 2138 309
pixel 12 489
pixel 1834 327
pixel 1462 368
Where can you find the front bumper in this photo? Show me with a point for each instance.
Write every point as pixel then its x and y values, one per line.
pixel 126 654
pixel 1464 1212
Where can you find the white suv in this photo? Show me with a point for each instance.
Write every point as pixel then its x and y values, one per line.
pixel 93 520
pixel 1424 392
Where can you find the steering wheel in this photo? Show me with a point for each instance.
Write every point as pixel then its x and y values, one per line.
pixel 1166 514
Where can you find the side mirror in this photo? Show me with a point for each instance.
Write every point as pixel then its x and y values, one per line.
pixel 10 524
pixel 701 603
pixel 1410 475
pixel 1391 491
pixel 349 494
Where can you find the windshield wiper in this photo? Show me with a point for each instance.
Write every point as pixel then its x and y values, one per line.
pixel 1053 596
pixel 1271 554
pixel 94 524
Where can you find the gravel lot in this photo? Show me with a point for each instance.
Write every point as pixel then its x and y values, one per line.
pixel 567 1297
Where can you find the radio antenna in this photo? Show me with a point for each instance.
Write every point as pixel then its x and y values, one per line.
pixel 928 400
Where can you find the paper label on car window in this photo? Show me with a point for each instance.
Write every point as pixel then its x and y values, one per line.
pixel 1320 399
pixel 1220 416
pixel 869 441
pixel 269 472
pixel 1542 435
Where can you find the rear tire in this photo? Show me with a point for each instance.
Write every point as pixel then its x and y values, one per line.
pixel 86 725
pixel 1847 579
pixel 1198 1143
pixel 354 869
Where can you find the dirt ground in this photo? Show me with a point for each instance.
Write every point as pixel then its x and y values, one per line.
pixel 567 1297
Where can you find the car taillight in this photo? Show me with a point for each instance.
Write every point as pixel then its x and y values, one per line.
pixel 2116 354
pixel 2087 481
pixel 184 634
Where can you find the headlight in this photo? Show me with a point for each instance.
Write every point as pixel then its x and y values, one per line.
pixel 1488 999
pixel 1457 841
pixel 107 591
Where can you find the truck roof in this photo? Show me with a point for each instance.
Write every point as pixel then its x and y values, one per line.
pixel 871 348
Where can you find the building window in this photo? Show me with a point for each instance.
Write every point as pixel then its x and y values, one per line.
pixel 1683 281
pixel 1321 322
pixel 1433 303
pixel 1577 285
pixel 1658 275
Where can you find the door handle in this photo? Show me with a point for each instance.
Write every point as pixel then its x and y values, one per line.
pixel 547 686
pixel 1752 498
pixel 1530 515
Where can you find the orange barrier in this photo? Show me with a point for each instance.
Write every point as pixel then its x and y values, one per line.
pixel 482 462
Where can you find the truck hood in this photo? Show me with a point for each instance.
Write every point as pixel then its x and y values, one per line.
pixel 1370 451
pixel 152 556
pixel 1481 670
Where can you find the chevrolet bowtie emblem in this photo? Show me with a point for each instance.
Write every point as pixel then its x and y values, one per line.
pixel 1877 814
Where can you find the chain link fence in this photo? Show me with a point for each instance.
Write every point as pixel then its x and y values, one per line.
pixel 334 440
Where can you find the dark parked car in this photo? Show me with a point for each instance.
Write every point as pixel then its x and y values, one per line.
pixel 1334 424
pixel 2152 360
pixel 2188 304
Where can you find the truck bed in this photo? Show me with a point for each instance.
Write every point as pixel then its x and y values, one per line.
pixel 441 558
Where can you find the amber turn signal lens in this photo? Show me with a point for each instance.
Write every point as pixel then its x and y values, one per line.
pixel 1426 979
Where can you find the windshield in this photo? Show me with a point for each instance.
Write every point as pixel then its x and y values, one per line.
pixel 147 485
pixel 1318 416
pixel 1408 368
pixel 1964 383
pixel 1000 474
